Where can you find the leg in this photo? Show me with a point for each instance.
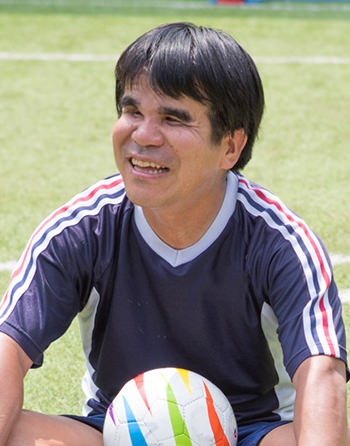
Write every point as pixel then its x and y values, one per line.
pixel 35 429
pixel 284 435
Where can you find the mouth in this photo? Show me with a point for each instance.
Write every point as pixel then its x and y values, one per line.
pixel 148 167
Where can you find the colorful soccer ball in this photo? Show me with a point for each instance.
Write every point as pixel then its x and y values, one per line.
pixel 170 407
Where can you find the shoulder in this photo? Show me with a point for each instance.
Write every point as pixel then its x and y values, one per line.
pixel 89 202
pixel 270 212
pixel 282 232
pixel 80 220
pixel 265 221
pixel 110 190
pixel 260 202
pixel 68 228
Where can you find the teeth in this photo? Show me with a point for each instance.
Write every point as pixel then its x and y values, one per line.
pixel 140 163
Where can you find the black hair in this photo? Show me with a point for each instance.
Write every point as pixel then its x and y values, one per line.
pixel 182 59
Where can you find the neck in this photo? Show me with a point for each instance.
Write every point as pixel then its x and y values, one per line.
pixel 183 227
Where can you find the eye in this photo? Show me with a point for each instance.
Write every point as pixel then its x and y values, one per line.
pixel 132 111
pixel 173 120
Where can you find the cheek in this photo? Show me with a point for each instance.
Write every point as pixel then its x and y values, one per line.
pixel 117 137
pixel 122 130
pixel 120 134
pixel 117 133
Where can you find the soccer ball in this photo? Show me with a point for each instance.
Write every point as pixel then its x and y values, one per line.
pixel 170 407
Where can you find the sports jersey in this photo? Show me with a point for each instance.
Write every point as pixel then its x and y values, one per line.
pixel 244 306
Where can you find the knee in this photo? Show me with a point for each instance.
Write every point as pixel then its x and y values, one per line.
pixel 48 442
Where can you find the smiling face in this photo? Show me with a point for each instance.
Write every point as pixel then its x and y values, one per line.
pixel 164 151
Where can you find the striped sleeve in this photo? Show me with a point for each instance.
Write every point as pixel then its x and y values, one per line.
pixel 26 279
pixel 305 297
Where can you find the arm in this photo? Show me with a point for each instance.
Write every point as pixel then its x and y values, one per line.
pixel 14 364
pixel 320 405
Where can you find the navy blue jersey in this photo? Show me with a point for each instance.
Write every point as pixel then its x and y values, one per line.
pixel 244 306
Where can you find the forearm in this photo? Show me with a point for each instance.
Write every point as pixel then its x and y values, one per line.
pixel 11 401
pixel 13 366
pixel 320 407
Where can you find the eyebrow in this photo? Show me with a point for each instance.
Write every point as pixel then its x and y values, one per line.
pixel 181 114
pixel 128 100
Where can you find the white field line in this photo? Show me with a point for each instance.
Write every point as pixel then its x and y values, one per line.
pixel 7 266
pixel 337 259
pixel 345 295
pixel 69 57
pixel 77 57
pixel 103 4
pixel 314 60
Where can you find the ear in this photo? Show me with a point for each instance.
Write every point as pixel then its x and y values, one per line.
pixel 234 144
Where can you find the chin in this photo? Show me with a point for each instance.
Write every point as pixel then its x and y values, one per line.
pixel 140 198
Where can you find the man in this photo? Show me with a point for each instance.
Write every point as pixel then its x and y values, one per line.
pixel 181 261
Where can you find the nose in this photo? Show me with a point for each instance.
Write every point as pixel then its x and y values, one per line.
pixel 148 134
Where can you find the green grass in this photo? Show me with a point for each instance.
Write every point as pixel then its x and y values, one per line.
pixel 55 387
pixel 4 280
pixel 301 152
pixel 56 140
pixel 57 119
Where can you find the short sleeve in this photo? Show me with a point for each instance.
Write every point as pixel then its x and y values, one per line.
pixel 304 297
pixel 48 288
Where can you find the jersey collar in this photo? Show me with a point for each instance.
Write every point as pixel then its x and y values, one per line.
pixel 176 257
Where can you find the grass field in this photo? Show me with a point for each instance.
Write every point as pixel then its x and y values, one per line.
pixel 57 117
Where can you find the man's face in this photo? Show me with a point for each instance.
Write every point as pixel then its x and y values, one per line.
pixel 164 150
